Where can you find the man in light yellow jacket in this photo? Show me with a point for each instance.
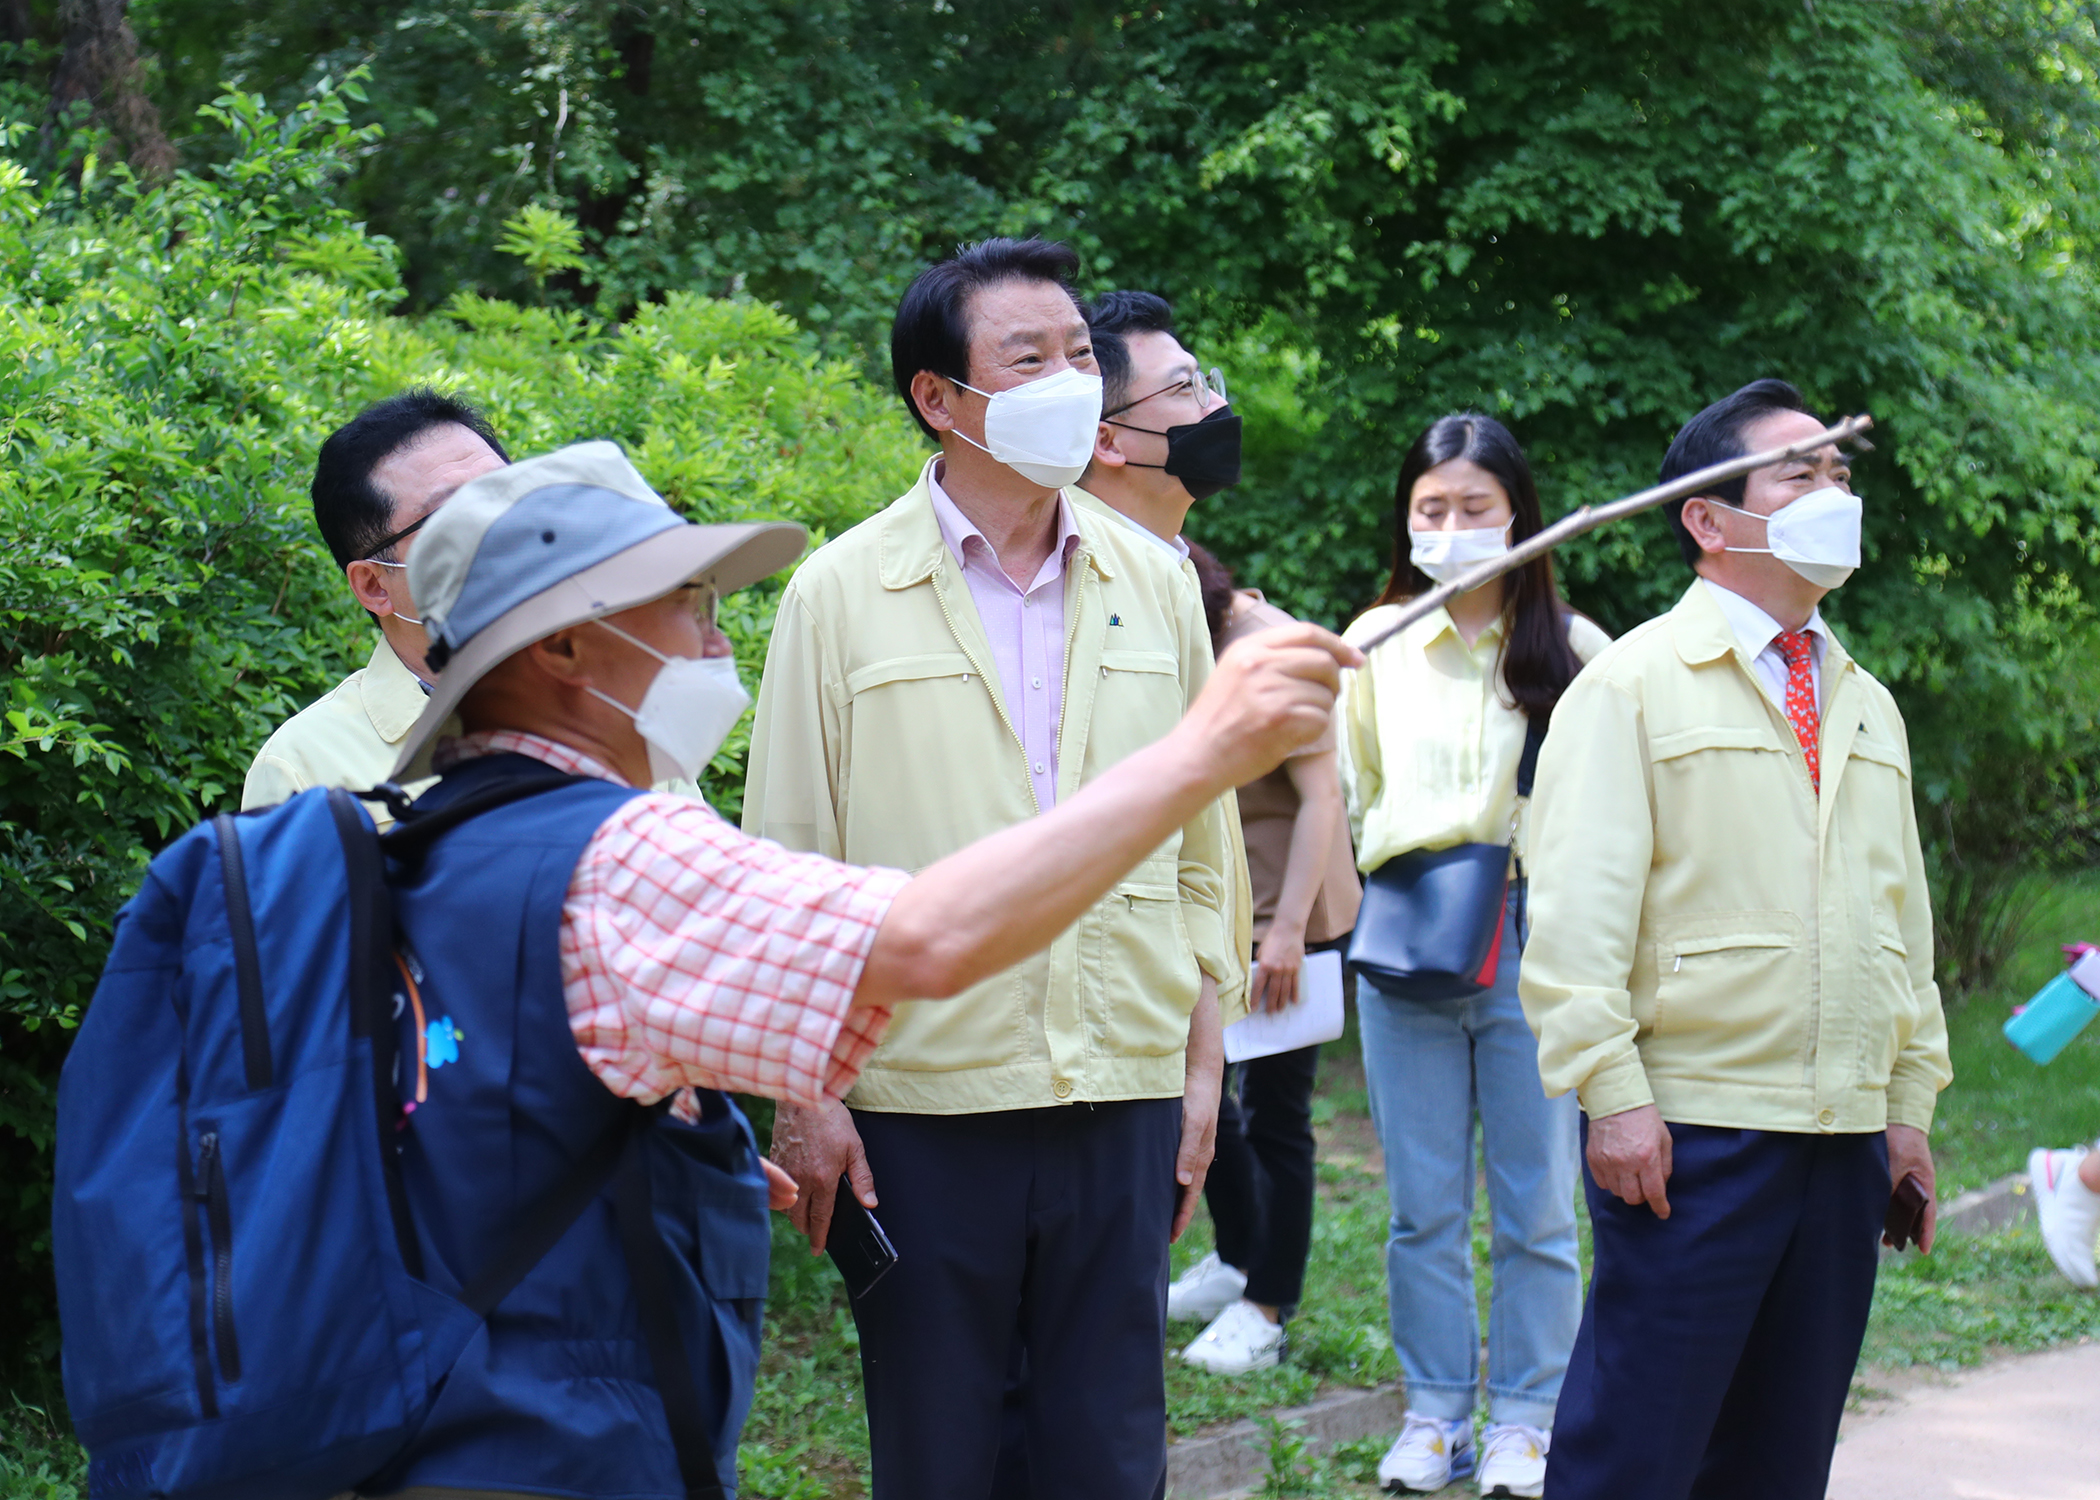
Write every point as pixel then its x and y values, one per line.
pixel 1731 964
pixel 977 652
pixel 377 479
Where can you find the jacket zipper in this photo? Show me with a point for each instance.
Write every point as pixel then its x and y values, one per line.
pixel 211 1192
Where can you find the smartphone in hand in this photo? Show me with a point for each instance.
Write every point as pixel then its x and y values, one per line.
pixel 1905 1222
pixel 856 1243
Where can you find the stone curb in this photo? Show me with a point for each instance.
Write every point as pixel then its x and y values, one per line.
pixel 2003 1204
pixel 1236 1457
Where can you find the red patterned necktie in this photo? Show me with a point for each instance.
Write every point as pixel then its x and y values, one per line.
pixel 1801 697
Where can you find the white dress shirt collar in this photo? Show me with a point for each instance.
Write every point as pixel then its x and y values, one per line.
pixel 1756 631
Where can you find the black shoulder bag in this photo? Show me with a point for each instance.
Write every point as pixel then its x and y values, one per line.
pixel 1430 927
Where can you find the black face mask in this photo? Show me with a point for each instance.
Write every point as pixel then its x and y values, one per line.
pixel 1204 456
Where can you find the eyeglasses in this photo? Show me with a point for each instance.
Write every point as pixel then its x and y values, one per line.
pixel 1205 388
pixel 371 553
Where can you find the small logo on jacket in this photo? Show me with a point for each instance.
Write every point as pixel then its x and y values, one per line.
pixel 1115 620
pixel 441 1042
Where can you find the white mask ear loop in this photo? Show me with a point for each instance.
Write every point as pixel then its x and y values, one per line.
pixel 638 645
pixel 1753 515
pixel 410 619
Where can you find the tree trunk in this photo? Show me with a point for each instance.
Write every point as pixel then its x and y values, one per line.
pixel 101 65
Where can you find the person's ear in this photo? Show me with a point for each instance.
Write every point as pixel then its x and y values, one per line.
pixel 933 394
pixel 561 657
pixel 369 582
pixel 1108 451
pixel 1704 525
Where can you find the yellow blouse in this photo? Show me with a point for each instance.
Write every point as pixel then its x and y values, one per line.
pixel 1429 740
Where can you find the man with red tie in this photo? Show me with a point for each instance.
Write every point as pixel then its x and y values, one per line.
pixel 1731 964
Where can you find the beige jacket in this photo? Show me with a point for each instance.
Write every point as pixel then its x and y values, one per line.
pixel 348 737
pixel 882 739
pixel 1707 933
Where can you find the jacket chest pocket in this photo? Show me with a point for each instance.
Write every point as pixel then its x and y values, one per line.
pixel 1873 800
pixel 1138 701
pixel 938 704
pixel 1731 999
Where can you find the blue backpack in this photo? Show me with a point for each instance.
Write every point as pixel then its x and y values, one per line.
pixel 171 1394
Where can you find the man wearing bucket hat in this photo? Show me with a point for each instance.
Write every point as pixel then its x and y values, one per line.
pixel 570 615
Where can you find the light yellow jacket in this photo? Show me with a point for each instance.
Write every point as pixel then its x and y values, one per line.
pixel 1430 741
pixel 348 737
pixel 882 739
pixel 1707 934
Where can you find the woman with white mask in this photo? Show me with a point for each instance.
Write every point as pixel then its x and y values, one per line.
pixel 1433 731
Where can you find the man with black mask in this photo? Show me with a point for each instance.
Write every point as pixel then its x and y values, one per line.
pixel 1168 438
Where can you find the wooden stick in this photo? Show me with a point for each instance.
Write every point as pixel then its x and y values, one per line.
pixel 1589 518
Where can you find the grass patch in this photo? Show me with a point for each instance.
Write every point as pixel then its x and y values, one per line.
pixel 38 1459
pixel 2001 1106
pixel 1974 1298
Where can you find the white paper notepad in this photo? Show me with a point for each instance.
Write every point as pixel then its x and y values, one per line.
pixel 1317 1017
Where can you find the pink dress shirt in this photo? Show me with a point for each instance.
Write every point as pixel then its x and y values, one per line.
pixel 1026 629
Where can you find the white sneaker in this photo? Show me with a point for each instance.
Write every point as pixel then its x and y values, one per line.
pixel 1427 1455
pixel 2069 1212
pixel 1513 1460
pixel 1238 1340
pixel 1204 1290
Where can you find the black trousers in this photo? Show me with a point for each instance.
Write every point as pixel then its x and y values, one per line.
pixel 1260 1189
pixel 1027 1240
pixel 1717 1346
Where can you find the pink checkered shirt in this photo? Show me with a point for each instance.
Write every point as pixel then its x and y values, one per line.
pixel 693 955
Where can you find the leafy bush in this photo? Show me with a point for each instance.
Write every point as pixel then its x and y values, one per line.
pixel 1587 219
pixel 170 358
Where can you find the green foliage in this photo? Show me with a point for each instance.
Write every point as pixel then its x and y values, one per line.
pixel 545 240
pixel 38 1461
pixel 170 359
pixel 1589 220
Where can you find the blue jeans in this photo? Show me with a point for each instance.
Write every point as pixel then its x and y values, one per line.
pixel 1430 1065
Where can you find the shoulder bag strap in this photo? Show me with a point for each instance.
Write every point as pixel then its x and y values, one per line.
pixel 1527 774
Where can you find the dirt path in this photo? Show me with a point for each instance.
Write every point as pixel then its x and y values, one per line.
pixel 2026 1428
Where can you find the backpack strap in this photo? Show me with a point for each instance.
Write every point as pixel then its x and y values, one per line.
pixel 648 1268
pixel 553 1213
pixel 415 830
pixel 372 1001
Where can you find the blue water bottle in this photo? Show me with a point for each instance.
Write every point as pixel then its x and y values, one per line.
pixel 2045 1025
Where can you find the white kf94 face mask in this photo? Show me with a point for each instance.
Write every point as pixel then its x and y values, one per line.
pixel 1044 430
pixel 692 704
pixel 1816 535
pixel 1444 555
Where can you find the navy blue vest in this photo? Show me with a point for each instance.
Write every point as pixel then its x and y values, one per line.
pixel 556 1395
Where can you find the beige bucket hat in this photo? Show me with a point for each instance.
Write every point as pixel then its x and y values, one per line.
pixel 524 551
